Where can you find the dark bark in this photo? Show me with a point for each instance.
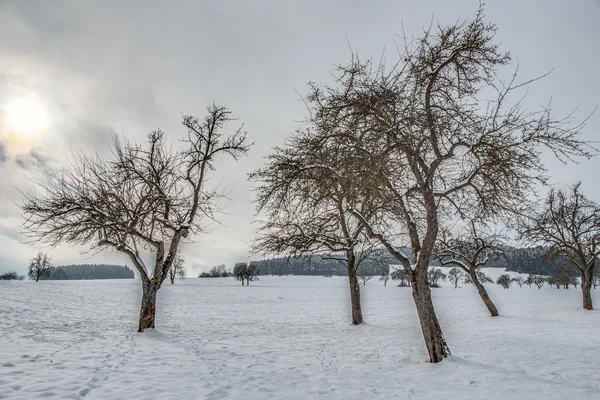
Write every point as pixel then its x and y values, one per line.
pixel 586 286
pixel 484 295
pixel 148 308
pixel 432 332
pixel 357 317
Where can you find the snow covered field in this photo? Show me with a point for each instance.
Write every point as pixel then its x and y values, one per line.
pixel 290 338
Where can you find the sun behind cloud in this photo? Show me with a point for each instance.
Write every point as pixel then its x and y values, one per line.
pixel 24 122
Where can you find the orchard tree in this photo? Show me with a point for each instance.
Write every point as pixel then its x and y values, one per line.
pixel 417 140
pixel 434 276
pixel 245 272
pixel 519 280
pixel 364 275
pixel 139 197
pixel 39 266
pixel 470 250
pixel 399 274
pixel 306 209
pixel 504 280
pixel 537 280
pixel 454 276
pixel 177 269
pixel 385 276
pixel 569 224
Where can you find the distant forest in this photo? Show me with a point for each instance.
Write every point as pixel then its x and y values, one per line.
pixel 87 271
pixel 531 260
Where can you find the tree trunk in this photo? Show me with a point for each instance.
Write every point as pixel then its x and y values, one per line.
pixel 357 317
pixel 432 332
pixel 586 286
pixel 484 296
pixel 148 309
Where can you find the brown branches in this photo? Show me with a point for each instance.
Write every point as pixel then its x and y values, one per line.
pixel 139 197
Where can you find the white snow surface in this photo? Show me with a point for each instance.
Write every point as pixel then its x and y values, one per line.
pixel 291 338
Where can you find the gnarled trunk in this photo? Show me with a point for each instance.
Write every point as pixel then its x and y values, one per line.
pixel 586 286
pixel 357 317
pixel 430 326
pixel 148 309
pixel 484 295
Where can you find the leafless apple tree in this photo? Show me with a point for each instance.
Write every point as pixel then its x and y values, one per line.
pixel 470 250
pixel 177 269
pixel 139 198
pixel 305 206
pixel 569 223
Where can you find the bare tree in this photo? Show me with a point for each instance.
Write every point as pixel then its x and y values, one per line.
pixel 385 276
pixel 39 266
pixel 418 141
pixel 470 250
pixel 364 275
pixel 569 224
pixel 399 274
pixel 306 209
pixel 177 269
pixel 519 280
pixel 245 272
pixel 504 280
pixel 454 276
pixel 434 276
pixel 138 198
pixel 535 279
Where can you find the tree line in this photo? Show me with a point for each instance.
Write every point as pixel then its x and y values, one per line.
pixel 87 271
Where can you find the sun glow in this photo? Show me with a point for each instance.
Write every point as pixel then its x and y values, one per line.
pixel 26 121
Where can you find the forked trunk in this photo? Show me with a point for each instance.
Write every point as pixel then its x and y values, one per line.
pixel 148 309
pixel 484 296
pixel 430 326
pixel 357 317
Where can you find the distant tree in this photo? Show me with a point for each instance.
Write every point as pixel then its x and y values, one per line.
pixel 529 280
pixel 504 280
pixel 454 276
pixel 399 274
pixel 219 271
pixel 552 281
pixel 434 276
pixel 364 275
pixel 564 274
pixel 385 277
pixel 11 276
pixel 177 269
pixel 204 275
pixel 39 266
pixel 139 197
pixel 245 272
pixel 569 223
pixel 482 278
pixel 537 280
pixel 470 250
pixel 519 280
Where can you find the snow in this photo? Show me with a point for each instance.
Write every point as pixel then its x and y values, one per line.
pixel 291 338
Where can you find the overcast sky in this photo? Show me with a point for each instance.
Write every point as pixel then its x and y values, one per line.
pixel 132 66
